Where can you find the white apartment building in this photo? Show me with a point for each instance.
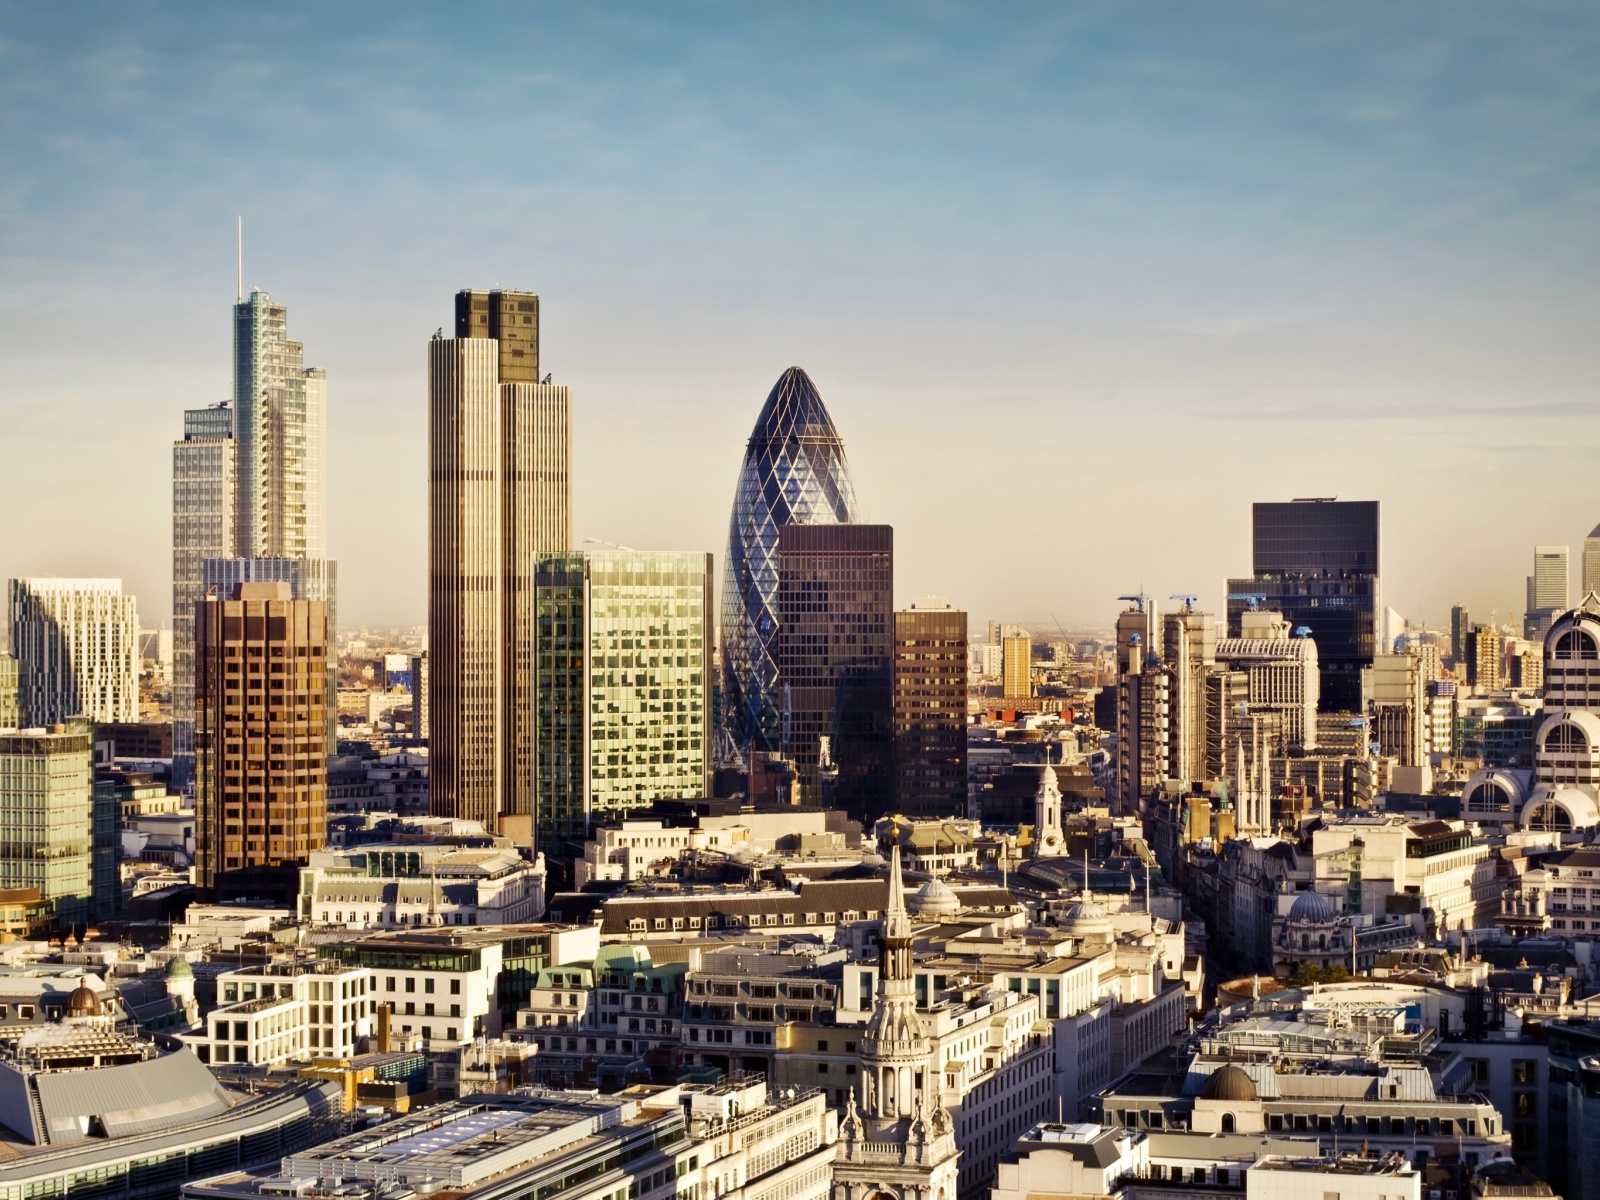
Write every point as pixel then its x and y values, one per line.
pixel 413 885
pixel 274 1014
pixel 77 642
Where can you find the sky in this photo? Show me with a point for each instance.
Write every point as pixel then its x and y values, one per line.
pixel 1078 281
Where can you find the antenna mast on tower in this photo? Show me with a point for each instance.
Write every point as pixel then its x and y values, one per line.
pixel 241 259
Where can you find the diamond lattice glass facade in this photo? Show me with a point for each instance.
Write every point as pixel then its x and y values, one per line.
pixel 794 473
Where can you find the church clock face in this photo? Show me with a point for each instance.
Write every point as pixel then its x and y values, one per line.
pixel 1049 839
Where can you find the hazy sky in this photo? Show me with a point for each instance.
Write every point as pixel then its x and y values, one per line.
pixel 1077 281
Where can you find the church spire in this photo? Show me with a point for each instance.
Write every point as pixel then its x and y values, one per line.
pixel 896 921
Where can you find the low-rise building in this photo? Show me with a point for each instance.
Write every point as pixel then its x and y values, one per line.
pixel 453 985
pixel 731 1141
pixel 284 1012
pixel 86 1106
pixel 604 1023
pixel 415 884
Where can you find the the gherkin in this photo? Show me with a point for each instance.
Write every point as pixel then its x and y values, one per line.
pixel 794 473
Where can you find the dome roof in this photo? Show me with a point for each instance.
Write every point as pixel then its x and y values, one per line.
pixel 1312 906
pixel 1230 1083
pixel 83 1002
pixel 179 968
pixel 1086 918
pixel 935 899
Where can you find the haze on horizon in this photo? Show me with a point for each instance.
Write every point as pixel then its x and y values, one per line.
pixel 1077 283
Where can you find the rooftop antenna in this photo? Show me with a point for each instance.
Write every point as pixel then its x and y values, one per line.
pixel 241 259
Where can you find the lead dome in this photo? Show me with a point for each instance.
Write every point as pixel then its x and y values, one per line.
pixel 1311 906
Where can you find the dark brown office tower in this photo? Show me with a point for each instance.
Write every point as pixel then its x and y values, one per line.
pixel 510 318
pixel 261 749
pixel 930 711
pixel 835 656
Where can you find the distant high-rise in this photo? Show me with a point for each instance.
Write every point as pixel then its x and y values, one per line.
pixel 77 641
pixel 930 710
pixel 261 800
pixel 498 498
pixel 419 696
pixel 1551 578
pixel 1485 649
pixel 624 690
pixel 1460 632
pixel 835 653
pixel 1317 563
pixel 1549 590
pixel 794 473
pixel 1016 665
pixel 1591 563
pixel 280 416
pixel 204 500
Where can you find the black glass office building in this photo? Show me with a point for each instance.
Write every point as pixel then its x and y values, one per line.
pixel 794 473
pixel 1316 562
pixel 835 661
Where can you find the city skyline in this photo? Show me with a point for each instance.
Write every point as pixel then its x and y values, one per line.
pixel 1372 323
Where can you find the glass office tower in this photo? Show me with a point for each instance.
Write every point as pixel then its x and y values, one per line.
pixel 836 659
pixel 1316 562
pixel 622 686
pixel 794 473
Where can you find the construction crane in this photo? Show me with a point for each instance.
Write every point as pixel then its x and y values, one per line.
pixel 1254 599
pixel 1189 600
pixel 1140 600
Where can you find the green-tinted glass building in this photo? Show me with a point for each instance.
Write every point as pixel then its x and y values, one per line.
pixel 46 818
pixel 623 687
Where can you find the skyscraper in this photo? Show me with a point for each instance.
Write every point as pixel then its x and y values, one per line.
pixel 1485 649
pixel 249 484
pixel 1316 562
pixel 623 686
pixel 261 802
pixel 835 659
pixel 794 473
pixel 1460 632
pixel 930 710
pixel 1016 665
pixel 204 500
pixel 1591 563
pixel 499 498
pixel 1551 578
pixel 77 641
pixel 308 579
pixel 281 423
pixel 1549 590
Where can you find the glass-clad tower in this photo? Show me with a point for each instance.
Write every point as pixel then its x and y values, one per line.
pixel 794 473
pixel 622 693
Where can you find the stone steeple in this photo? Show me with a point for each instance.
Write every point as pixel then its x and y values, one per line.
pixel 1049 840
pixel 900 1141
